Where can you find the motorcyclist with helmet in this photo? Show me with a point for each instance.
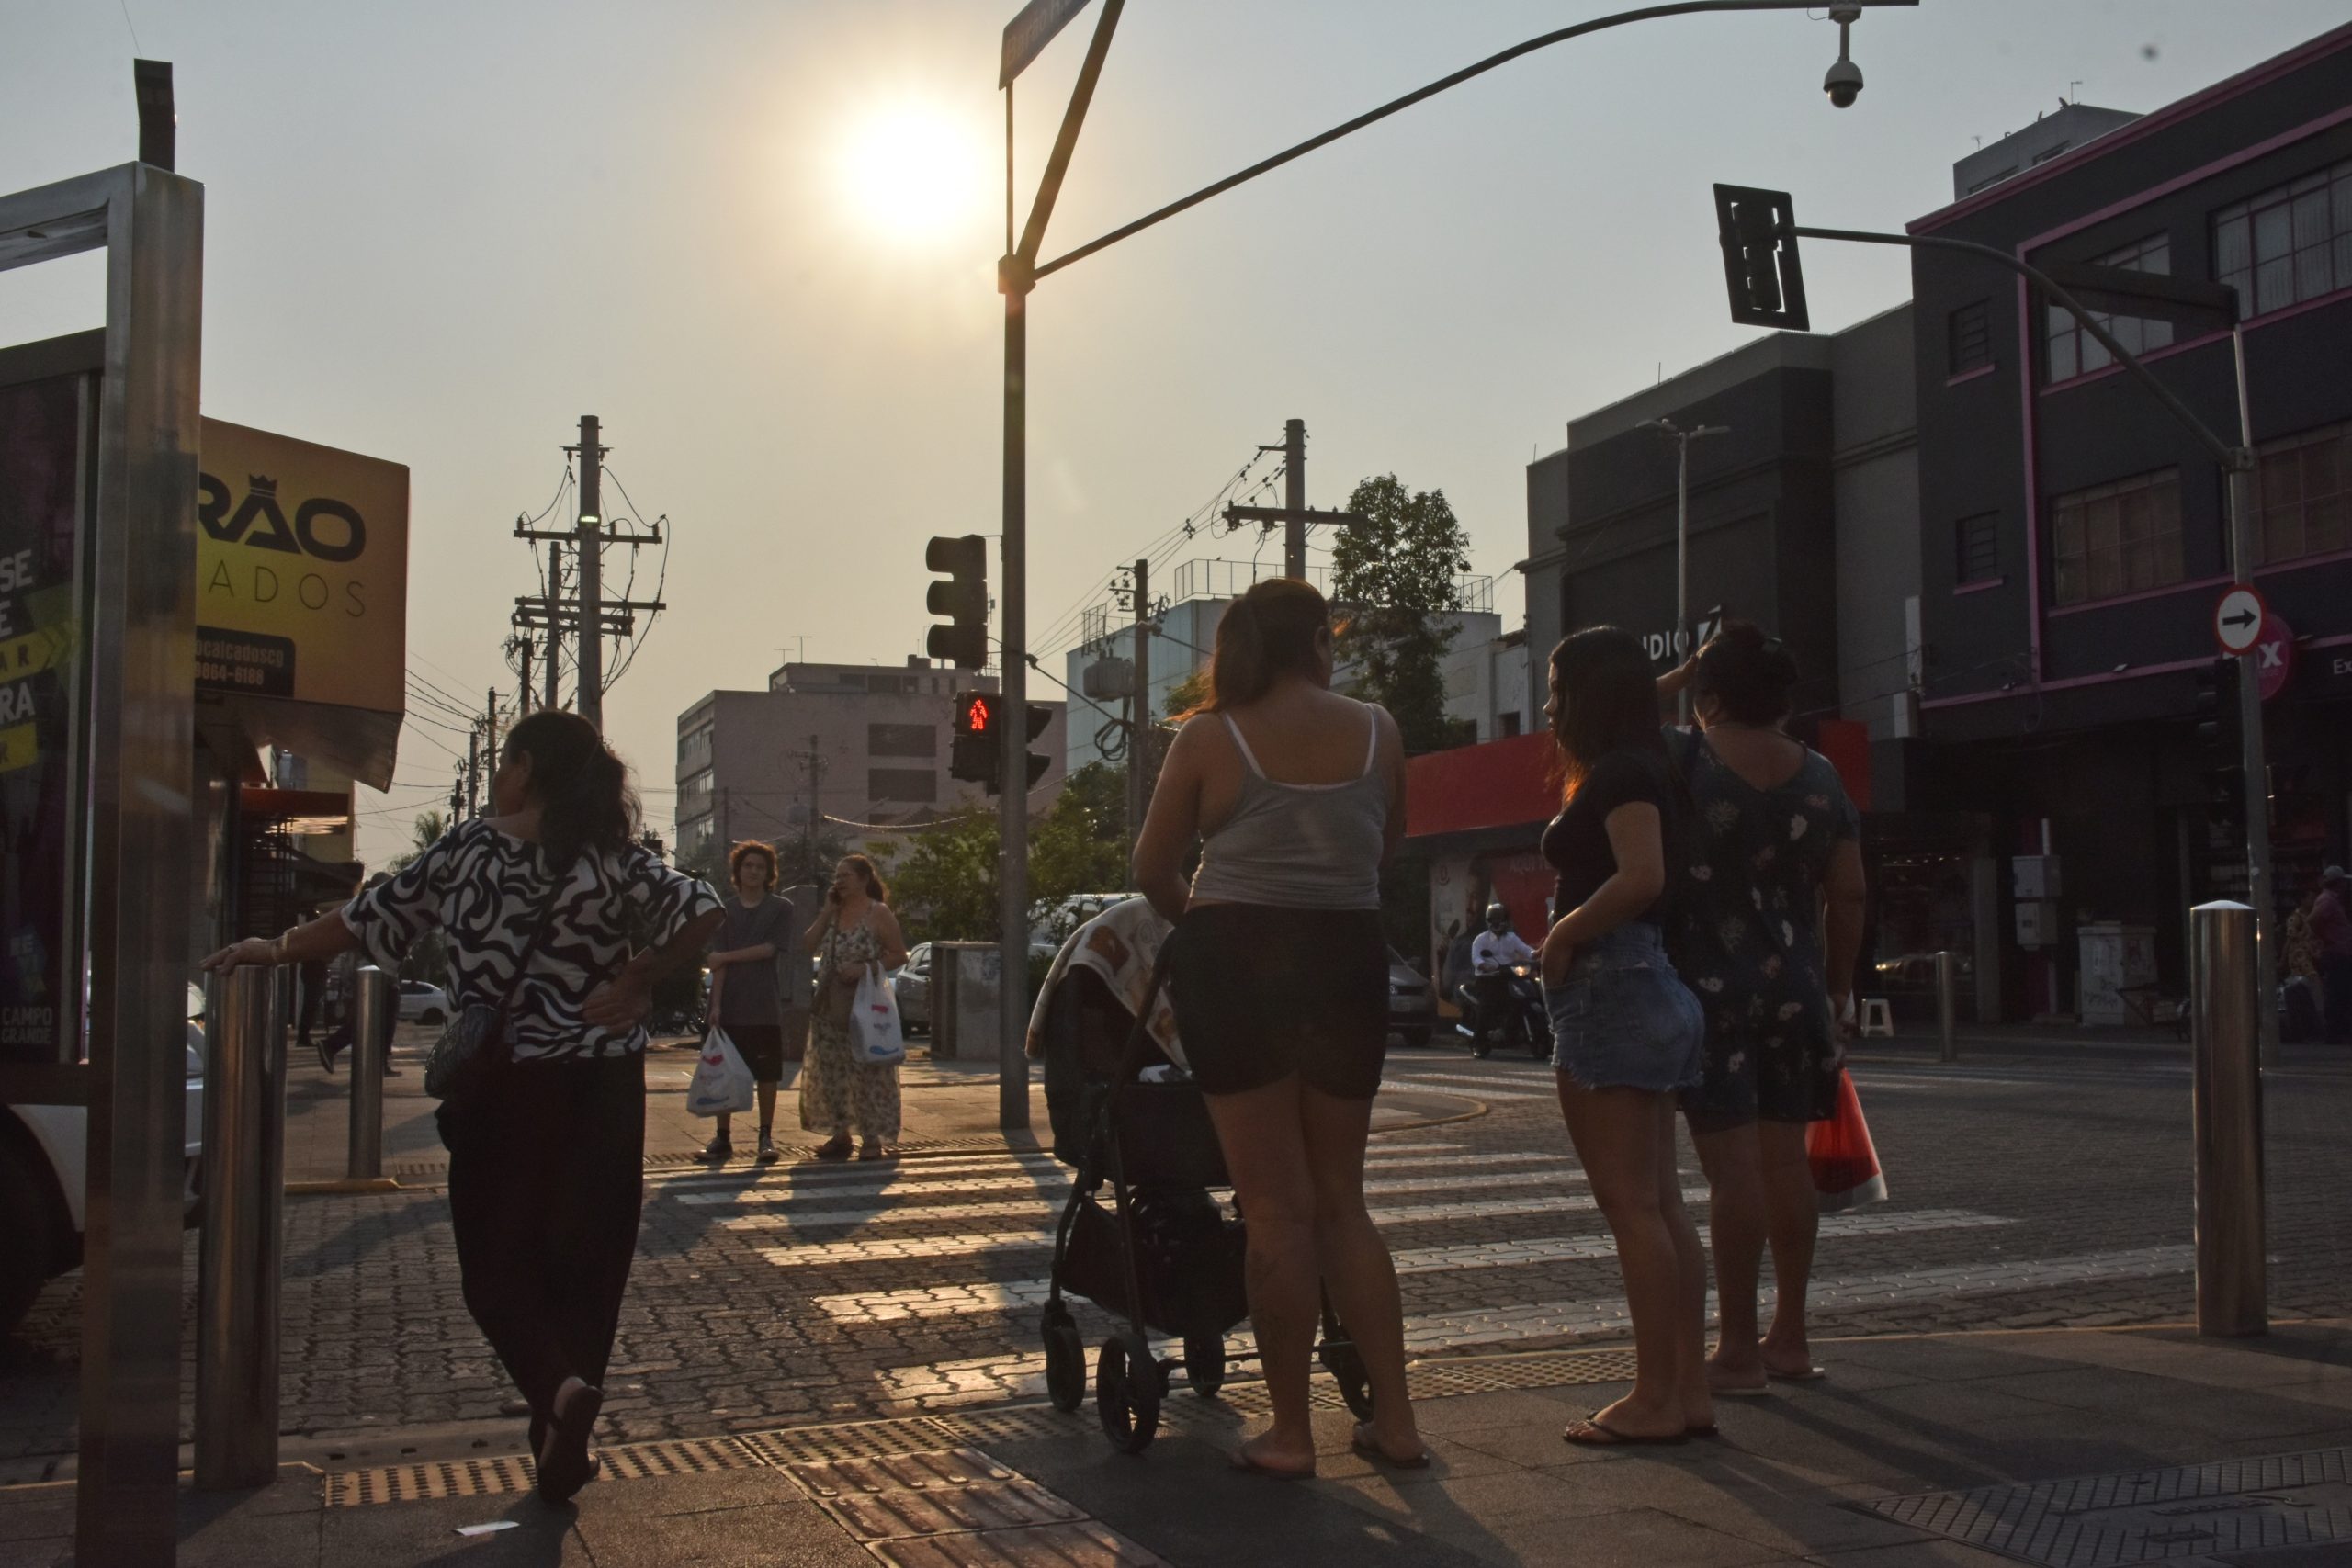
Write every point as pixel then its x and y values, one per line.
pixel 1493 955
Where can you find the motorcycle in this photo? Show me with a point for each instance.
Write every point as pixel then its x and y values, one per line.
pixel 1519 1016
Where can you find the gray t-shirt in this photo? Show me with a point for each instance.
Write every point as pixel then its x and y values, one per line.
pixel 750 996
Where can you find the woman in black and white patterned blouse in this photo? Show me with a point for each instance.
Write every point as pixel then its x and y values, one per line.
pixel 547 1153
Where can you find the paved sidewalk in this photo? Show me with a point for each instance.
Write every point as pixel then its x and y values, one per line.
pixel 1917 1450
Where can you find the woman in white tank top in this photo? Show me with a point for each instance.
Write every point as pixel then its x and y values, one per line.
pixel 1279 973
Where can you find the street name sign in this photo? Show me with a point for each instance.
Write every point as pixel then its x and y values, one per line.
pixel 2238 620
pixel 1026 36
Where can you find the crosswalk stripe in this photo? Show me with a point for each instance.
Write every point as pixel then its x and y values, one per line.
pixel 988 1378
pixel 1418 1214
pixel 1448 1086
pixel 982 1296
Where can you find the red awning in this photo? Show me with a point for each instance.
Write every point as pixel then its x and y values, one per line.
pixel 1503 783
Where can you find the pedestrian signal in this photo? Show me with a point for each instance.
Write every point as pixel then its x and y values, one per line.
pixel 975 755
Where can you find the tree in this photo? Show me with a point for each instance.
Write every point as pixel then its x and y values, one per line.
pixel 1396 577
pixel 1080 846
pixel 944 884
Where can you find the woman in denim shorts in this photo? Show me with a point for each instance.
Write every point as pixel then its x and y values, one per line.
pixel 1625 1032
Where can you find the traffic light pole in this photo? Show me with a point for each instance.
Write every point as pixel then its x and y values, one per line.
pixel 2238 463
pixel 1017 276
pixel 591 670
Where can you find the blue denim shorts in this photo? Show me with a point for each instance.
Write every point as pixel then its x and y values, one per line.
pixel 1622 1019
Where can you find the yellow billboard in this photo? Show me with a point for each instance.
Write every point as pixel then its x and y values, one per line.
pixel 301 595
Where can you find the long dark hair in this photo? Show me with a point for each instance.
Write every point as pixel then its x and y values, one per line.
pixel 1269 632
pixel 586 801
pixel 1752 675
pixel 1608 700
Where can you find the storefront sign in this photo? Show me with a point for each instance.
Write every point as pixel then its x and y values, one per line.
pixel 301 598
pixel 41 655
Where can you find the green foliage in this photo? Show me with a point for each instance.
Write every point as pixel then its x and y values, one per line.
pixel 1395 577
pixel 943 884
pixel 1189 693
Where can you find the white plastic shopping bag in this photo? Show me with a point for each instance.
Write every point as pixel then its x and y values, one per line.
pixel 874 1037
pixel 722 1081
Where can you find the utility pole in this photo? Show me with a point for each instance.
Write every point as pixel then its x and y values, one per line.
pixel 1677 648
pixel 590 617
pixel 520 645
pixel 489 721
pixel 473 765
pixel 1140 732
pixel 1294 514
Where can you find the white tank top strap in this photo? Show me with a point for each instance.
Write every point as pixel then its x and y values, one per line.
pixel 1372 743
pixel 1247 755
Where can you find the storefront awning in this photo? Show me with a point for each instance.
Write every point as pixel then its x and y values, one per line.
pixel 1502 783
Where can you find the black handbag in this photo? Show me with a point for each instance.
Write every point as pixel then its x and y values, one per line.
pixel 473 1043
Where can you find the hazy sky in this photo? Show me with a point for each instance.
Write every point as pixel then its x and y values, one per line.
pixel 439 232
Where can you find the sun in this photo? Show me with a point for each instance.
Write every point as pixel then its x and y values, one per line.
pixel 910 171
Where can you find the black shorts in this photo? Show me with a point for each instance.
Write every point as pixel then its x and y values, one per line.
pixel 1261 993
pixel 762 1048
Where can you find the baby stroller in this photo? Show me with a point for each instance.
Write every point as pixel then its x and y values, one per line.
pixel 1164 1253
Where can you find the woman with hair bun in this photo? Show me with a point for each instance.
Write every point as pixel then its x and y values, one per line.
pixel 546 1146
pixel 1771 928
pixel 1279 975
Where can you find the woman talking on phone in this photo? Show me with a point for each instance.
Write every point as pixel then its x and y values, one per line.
pixel 856 936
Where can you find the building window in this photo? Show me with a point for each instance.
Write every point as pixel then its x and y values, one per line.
pixel 695 747
pixel 694 795
pixel 1509 724
pixel 1978 547
pixel 2290 244
pixel 891 685
pixel 901 786
pixel 2074 351
pixel 2117 538
pixel 2305 493
pixel 1969 337
pixel 902 741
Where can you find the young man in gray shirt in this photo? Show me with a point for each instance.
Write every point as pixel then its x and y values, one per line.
pixel 745 999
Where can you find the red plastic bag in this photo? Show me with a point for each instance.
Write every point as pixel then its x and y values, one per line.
pixel 1845 1162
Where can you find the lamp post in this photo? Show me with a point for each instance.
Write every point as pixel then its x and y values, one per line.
pixel 1683 439
pixel 1018 273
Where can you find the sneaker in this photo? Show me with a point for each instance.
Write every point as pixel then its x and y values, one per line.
pixel 767 1149
pixel 717 1150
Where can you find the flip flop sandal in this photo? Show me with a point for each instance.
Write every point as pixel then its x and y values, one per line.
pixel 564 1464
pixel 1591 1434
pixel 1709 1430
pixel 1243 1461
pixel 1811 1374
pixel 1763 1393
pixel 1362 1442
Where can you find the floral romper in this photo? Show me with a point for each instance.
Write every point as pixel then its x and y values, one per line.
pixel 1747 936
pixel 837 1091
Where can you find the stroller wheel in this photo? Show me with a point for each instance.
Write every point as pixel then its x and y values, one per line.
pixel 1205 1363
pixel 1345 1363
pixel 1065 1360
pixel 1126 1391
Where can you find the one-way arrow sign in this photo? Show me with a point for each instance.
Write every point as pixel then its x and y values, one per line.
pixel 2238 620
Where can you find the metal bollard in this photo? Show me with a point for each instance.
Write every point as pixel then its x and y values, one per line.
pixel 2233 1286
pixel 1947 981
pixel 237 1257
pixel 372 1016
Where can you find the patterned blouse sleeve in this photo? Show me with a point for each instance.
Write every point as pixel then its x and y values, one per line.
pixel 389 917
pixel 662 901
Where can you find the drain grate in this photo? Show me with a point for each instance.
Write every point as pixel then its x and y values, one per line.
pixel 943 1492
pixel 1024 1424
pixel 691 1456
pixel 2148 1516
pixel 1448 1375
pixel 420 1482
pixel 857 1440
pixel 1084 1544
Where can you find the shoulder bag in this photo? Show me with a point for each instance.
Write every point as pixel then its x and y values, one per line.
pixel 473 1044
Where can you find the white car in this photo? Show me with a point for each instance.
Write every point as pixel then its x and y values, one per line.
pixel 421 1003
pixel 44 1158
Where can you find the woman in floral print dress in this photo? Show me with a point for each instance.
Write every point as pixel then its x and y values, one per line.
pixel 1769 927
pixel 838 1093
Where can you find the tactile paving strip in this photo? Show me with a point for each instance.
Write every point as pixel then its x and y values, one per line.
pixel 2148 1516
pixel 808 1445
pixel 943 1492
pixel 511 1474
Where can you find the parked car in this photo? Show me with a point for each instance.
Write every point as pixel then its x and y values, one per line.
pixel 1050 923
pixel 421 1003
pixel 43 1155
pixel 1412 1006
pixel 912 985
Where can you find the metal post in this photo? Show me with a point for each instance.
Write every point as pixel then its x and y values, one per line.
pixel 473 773
pixel 374 1008
pixel 1013 802
pixel 2261 890
pixel 2231 1284
pixel 591 674
pixel 1295 498
pixel 1946 1038
pixel 1677 653
pixel 1139 705
pixel 237 1266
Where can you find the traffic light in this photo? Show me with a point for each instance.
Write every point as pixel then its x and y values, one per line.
pixel 963 599
pixel 2217 713
pixel 975 755
pixel 1040 716
pixel 1758 232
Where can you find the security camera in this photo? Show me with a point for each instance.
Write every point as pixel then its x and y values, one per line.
pixel 1844 83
